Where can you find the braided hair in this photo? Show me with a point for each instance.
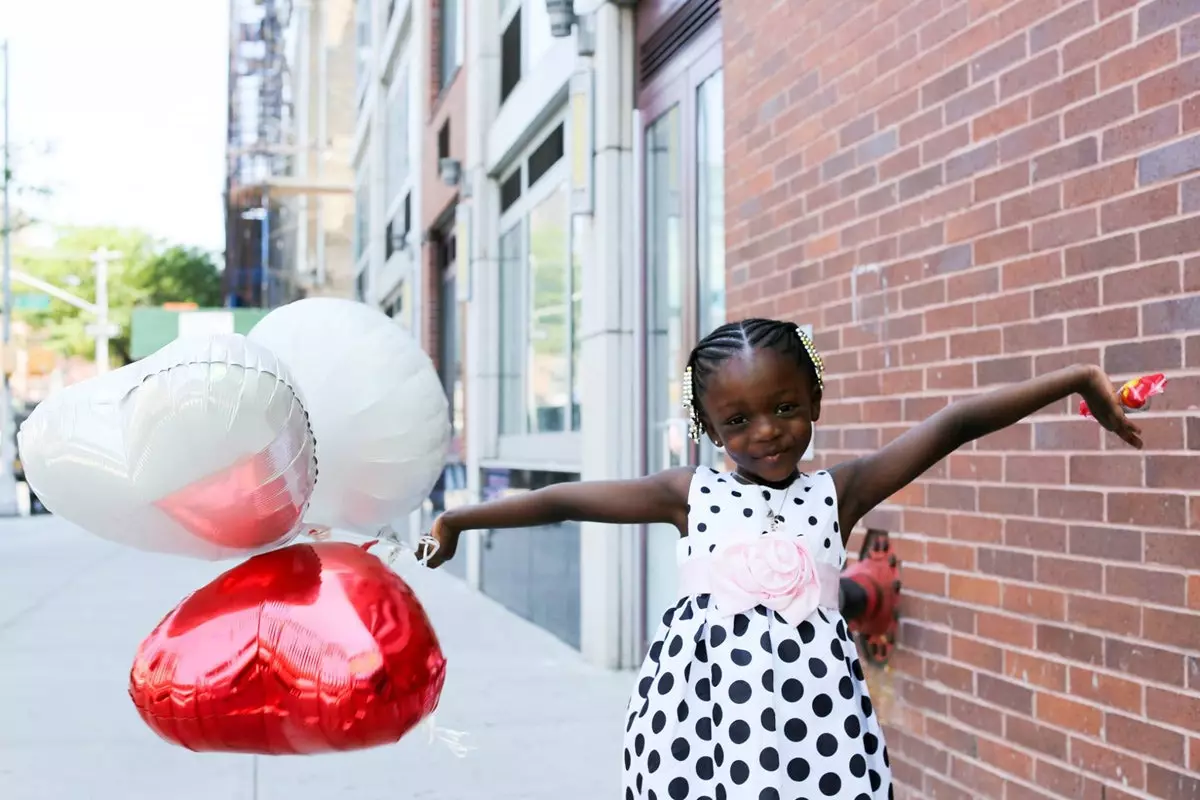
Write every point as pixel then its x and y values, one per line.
pixel 733 338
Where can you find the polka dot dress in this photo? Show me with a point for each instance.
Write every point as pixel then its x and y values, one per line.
pixel 748 706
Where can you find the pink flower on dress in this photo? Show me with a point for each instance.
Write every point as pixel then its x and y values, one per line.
pixel 777 572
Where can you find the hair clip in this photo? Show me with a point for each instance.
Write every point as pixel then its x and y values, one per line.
pixel 813 356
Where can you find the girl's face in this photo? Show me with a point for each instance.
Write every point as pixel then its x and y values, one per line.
pixel 761 406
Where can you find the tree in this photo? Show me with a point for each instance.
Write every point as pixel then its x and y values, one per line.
pixel 147 273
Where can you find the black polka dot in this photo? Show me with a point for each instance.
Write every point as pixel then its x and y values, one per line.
pixel 720 791
pixel 812 520
pixel 857 669
pixel 870 743
pixel 841 630
pixel 798 501
pixel 704 769
pixel 639 744
pixel 702 690
pixel 853 726
pixel 716 674
pixel 712 548
pixel 653 761
pixel 704 728
pixel 675 647
pixel 876 781
pixel 797 769
pixel 736 493
pixel 886 760
pixel 829 501
pixel 629 792
pixel 862 796
pixel 705 490
pixel 768 680
pixel 807 632
pixel 717 714
pixel 835 648
pixel 628 758
pixel 682 711
pixel 741 623
pixel 739 692
pixel 644 686
pixel 788 651
pixel 701 527
pixel 764 642
pixel 830 784
pixel 629 725
pixel 795 730
pixel 701 652
pixel 680 749
pixel 687 610
pixel 828 544
pixel 792 690
pixel 668 616
pixel 827 744
pixel 768 719
pixel 817 667
pixel 866 706
pixel 769 793
pixel 640 780
pixel 768 759
pixel 822 705
pixel 739 731
pixel 716 635
pixel 858 765
pixel 658 722
pixel 739 772
pixel 713 509
pixel 746 512
pixel 766 495
pixel 836 527
pixel 678 789
pixel 719 755
pixel 666 683
pixel 846 687
pixel 656 651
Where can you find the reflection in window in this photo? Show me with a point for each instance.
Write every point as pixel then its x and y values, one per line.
pixel 397 137
pixel 547 383
pixel 512 348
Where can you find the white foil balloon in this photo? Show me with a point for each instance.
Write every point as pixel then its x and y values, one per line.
pixel 202 449
pixel 378 410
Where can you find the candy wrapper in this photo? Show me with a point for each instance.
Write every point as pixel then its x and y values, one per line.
pixel 1135 394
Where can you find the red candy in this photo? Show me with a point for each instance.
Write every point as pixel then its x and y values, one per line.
pixel 1135 394
pixel 305 649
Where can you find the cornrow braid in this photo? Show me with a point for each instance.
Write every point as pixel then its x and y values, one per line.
pixel 733 338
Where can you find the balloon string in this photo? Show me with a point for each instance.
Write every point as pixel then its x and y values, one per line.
pixel 452 739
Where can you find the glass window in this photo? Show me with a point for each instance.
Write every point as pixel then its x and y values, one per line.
pixel 362 29
pixel 397 140
pixel 512 283
pixel 577 226
pixel 710 219
pixel 450 41
pixel 548 375
pixel 510 57
pixel 362 212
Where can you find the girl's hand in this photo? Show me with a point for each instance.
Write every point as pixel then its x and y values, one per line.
pixel 1105 406
pixel 447 539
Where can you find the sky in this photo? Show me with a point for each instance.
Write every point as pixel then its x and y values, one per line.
pixel 118 107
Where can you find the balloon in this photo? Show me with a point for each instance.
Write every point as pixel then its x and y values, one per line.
pixel 307 649
pixel 203 449
pixel 377 407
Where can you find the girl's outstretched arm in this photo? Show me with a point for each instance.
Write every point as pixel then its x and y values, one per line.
pixel 657 498
pixel 866 482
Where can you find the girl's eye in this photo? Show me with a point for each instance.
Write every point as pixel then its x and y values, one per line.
pixel 738 420
pixel 786 408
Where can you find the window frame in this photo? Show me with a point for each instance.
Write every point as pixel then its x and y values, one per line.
pixel 445 77
pixel 529 17
pixel 534 446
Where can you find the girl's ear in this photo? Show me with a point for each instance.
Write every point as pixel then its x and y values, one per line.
pixel 712 437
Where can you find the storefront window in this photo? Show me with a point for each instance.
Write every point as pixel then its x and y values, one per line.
pixel 540 280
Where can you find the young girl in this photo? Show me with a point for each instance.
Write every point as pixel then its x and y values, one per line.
pixel 752 687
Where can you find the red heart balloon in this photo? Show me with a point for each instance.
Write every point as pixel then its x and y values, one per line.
pixel 306 649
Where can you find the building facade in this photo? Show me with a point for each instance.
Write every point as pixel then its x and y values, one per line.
pixel 959 195
pixel 289 209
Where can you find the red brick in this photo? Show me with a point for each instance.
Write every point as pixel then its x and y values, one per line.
pixel 1173 84
pixel 1032 73
pixel 1147 508
pixel 1067 91
pixel 1099 184
pixel 1115 251
pixel 1001 246
pixel 1068 158
pixel 1159 14
pixel 1140 209
pixel 1139 737
pixel 1099 113
pixel 1000 119
pixel 970 224
pixel 1030 205
pixel 1138 134
pixel 1148 56
pixel 1076 226
pixel 1141 283
pixel 1093 46
pixel 1174 628
pixel 1042 268
pixel 1171 784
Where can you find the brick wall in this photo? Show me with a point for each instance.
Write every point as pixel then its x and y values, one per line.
pixel 958 194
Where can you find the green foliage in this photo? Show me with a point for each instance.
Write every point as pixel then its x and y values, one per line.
pixel 146 273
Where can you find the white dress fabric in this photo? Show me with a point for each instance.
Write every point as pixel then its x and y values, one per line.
pixel 750 707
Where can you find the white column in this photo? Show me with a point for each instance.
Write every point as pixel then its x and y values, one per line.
pixel 477 258
pixel 609 275
pixel 376 154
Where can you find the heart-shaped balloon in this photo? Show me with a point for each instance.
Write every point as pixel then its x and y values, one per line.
pixel 202 449
pixel 307 649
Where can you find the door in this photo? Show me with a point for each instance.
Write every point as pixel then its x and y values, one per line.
pixel 684 262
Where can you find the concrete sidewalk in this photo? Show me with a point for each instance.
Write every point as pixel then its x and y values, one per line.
pixel 73 609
